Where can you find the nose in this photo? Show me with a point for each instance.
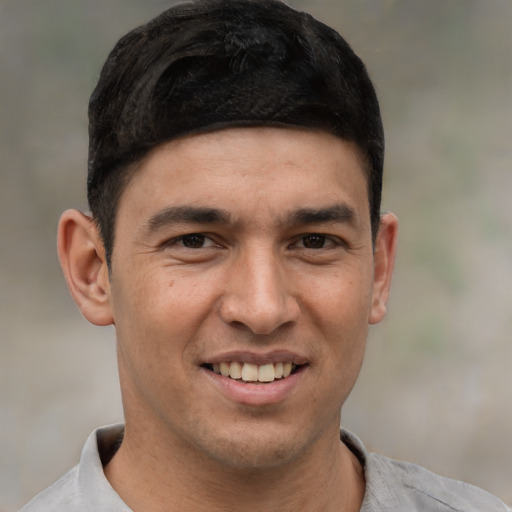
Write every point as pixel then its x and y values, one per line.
pixel 259 294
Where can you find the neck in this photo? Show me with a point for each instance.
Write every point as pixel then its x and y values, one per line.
pixel 170 477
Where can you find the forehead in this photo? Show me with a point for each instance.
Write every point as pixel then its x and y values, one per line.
pixel 250 168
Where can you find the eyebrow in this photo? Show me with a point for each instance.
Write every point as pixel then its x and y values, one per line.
pixel 341 212
pixel 187 214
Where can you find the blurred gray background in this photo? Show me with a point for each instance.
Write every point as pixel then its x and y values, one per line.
pixel 436 387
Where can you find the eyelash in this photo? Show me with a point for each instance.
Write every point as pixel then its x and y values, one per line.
pixel 325 241
pixel 180 241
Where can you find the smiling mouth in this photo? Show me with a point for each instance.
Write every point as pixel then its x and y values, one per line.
pixel 254 373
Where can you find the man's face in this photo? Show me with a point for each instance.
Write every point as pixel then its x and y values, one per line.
pixel 247 251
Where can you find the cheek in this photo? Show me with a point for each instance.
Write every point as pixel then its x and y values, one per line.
pixel 156 319
pixel 341 302
pixel 159 311
pixel 341 318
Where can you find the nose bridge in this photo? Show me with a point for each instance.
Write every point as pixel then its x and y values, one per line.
pixel 258 293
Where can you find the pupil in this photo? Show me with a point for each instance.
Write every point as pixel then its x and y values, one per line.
pixel 314 241
pixel 193 241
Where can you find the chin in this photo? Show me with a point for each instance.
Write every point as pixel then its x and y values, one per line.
pixel 253 449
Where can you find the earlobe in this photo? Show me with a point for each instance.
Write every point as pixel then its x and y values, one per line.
pixel 82 257
pixel 384 261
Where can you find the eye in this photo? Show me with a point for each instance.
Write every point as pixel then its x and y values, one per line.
pixel 314 241
pixel 195 241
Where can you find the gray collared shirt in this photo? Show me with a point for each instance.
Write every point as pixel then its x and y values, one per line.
pixel 391 486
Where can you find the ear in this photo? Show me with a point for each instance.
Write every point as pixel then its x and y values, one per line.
pixel 384 261
pixel 82 257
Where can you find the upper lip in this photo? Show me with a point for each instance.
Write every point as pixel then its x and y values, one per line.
pixel 244 356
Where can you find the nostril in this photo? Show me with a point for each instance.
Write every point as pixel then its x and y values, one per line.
pixel 239 325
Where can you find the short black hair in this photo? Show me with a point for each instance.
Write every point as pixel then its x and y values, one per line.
pixel 210 64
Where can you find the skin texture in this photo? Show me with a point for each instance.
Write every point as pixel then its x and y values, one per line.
pixel 280 266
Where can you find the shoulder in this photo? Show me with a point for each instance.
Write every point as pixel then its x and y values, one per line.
pixel 84 488
pixel 64 494
pixel 393 485
pixel 406 486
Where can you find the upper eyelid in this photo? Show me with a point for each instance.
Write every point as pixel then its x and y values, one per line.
pixel 334 239
pixel 173 240
pixel 218 240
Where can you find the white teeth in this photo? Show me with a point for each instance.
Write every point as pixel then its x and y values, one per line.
pixel 235 370
pixel 278 370
pixel 266 373
pixel 224 369
pixel 249 372
pixel 287 369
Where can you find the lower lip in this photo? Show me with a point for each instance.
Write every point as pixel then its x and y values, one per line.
pixel 248 393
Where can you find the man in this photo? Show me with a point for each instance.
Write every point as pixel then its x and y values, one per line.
pixel 236 243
